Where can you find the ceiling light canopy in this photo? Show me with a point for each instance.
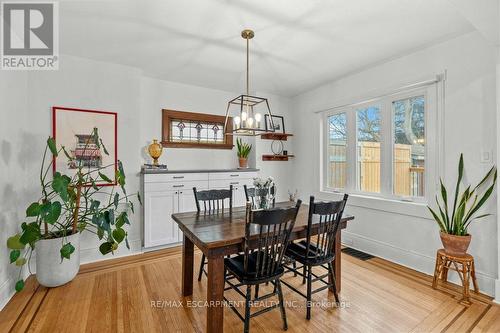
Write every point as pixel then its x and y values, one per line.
pixel 248 111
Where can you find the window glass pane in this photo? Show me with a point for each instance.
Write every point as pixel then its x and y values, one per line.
pixel 368 149
pixel 409 146
pixel 337 141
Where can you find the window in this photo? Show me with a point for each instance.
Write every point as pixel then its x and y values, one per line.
pixel 195 130
pixel 409 146
pixel 337 143
pixel 368 149
pixel 384 148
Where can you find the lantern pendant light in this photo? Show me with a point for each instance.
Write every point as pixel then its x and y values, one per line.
pixel 248 110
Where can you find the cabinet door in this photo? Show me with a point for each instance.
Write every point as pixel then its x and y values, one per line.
pixel 239 198
pixel 159 228
pixel 186 204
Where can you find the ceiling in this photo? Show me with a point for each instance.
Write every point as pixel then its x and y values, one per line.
pixel 298 44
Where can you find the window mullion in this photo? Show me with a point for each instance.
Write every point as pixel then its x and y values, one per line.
pixel 351 152
pixel 386 149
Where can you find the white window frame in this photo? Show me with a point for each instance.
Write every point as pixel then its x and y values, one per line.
pixel 432 145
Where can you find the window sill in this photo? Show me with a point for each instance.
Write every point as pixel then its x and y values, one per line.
pixel 416 209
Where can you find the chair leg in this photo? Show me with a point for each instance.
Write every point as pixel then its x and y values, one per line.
pixel 332 277
pixel 282 303
pixel 246 328
pixel 304 272
pixel 202 265
pixel 257 291
pixel 309 293
pixel 294 264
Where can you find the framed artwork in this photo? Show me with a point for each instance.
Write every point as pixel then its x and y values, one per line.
pixel 278 121
pixel 73 128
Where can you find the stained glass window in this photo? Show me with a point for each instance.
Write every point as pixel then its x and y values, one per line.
pixel 196 132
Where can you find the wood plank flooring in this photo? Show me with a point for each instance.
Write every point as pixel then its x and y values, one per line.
pixel 142 294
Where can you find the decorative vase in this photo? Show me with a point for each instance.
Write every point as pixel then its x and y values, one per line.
pixel 243 163
pixel 51 271
pixel 155 149
pixel 455 245
pixel 264 196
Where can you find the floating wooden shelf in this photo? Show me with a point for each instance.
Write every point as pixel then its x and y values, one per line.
pixel 275 136
pixel 276 157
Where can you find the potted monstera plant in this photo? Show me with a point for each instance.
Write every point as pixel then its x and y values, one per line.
pixel 454 221
pixel 68 206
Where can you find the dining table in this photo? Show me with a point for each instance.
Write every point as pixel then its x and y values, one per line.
pixel 222 233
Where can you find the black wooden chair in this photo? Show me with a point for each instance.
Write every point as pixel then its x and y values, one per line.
pixel 267 235
pixel 250 193
pixel 318 250
pixel 213 203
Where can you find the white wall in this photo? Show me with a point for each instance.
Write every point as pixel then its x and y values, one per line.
pixel 408 235
pixel 26 100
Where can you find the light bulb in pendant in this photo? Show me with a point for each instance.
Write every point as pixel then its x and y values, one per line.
pixel 243 116
pixel 237 121
pixel 258 117
pixel 250 122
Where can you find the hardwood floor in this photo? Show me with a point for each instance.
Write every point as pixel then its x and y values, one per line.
pixel 142 294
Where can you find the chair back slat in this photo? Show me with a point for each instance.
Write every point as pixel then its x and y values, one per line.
pixel 326 216
pixel 213 200
pixel 274 227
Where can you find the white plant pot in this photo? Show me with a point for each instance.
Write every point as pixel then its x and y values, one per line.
pixel 50 270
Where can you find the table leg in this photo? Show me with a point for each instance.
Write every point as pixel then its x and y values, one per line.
pixel 187 266
pixel 336 264
pixel 215 295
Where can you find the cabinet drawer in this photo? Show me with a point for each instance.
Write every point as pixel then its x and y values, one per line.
pixel 225 183
pixel 175 177
pixel 174 186
pixel 232 175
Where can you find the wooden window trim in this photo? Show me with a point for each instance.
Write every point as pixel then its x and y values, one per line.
pixel 169 115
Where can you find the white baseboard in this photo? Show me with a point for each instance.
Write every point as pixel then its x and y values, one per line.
pixel 413 260
pixel 6 292
pixel 497 291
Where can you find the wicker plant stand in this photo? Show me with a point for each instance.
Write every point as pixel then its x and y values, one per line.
pixel 463 265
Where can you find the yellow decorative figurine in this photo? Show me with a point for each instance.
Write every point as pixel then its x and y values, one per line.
pixel 155 149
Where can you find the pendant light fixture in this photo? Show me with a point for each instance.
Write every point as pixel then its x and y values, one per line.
pixel 248 110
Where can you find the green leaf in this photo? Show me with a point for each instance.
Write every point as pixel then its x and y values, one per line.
pixel 51 143
pixel 119 234
pixel 106 248
pixel 66 153
pixel 31 234
pixel 33 210
pixel 104 147
pixel 104 177
pixel 53 212
pixel 60 185
pixel 444 195
pixel 100 233
pixel 14 242
pixel 66 250
pixel 120 220
pixel 132 207
pixel 126 243
pixel 139 198
pixel 20 262
pixel 116 198
pixel 14 254
pixel 436 217
pixel 19 285
pixel 457 187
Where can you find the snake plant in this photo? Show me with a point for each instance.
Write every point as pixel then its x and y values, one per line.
pixel 456 220
pixel 243 148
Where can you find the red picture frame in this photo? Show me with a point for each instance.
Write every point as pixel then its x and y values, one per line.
pixel 94 113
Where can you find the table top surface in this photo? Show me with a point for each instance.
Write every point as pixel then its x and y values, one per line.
pixel 223 229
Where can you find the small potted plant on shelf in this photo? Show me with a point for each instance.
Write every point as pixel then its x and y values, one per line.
pixel 243 152
pixel 69 205
pixel 454 221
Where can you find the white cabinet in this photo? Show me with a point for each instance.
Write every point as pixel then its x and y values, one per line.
pixel 159 228
pixel 170 193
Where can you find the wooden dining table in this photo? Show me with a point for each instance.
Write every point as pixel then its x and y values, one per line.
pixel 220 234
